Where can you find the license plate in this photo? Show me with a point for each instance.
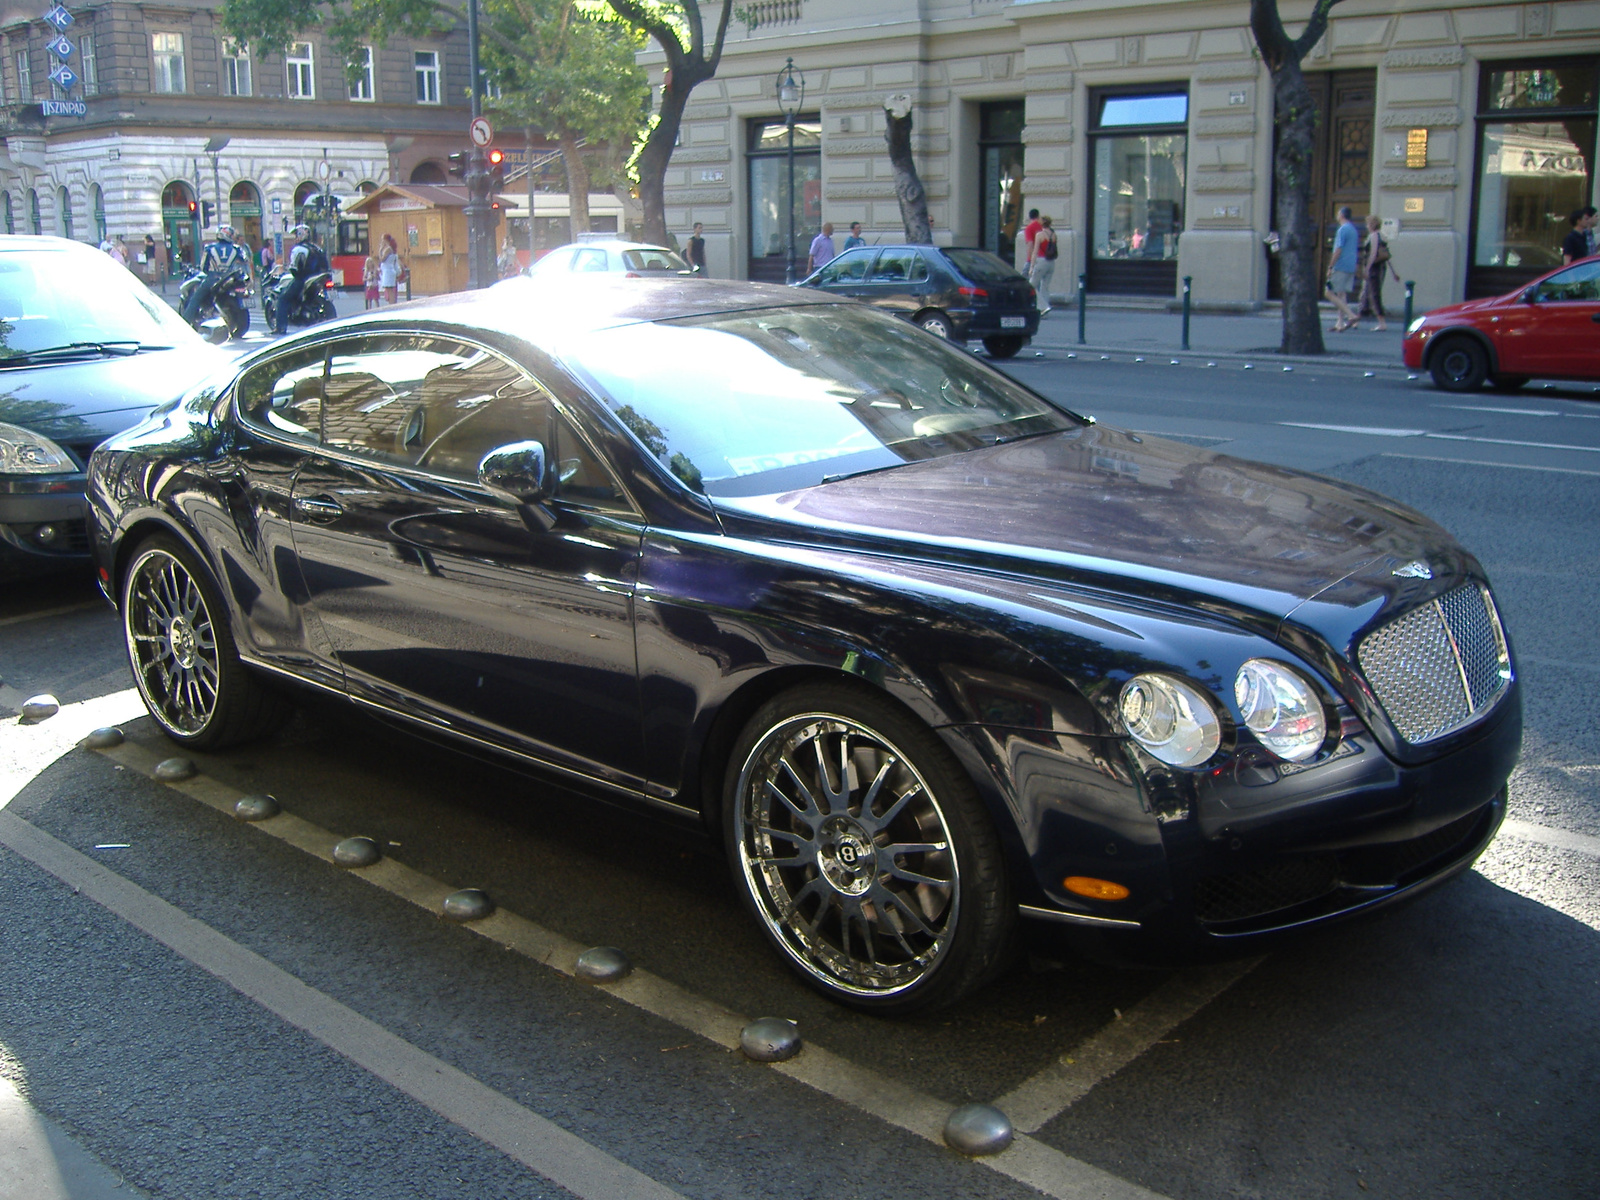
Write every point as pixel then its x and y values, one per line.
pixel 1013 322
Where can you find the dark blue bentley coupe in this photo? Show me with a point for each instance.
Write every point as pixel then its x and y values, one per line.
pixel 935 658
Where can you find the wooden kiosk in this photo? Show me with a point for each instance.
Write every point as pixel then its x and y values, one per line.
pixel 429 224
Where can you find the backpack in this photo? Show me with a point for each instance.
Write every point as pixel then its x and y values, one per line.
pixel 1050 248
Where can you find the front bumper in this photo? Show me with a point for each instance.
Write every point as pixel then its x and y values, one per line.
pixel 1234 857
pixel 42 524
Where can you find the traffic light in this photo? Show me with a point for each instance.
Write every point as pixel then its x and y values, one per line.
pixel 208 210
pixel 458 165
pixel 194 209
pixel 497 170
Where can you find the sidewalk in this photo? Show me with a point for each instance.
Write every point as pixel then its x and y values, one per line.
pixel 1118 327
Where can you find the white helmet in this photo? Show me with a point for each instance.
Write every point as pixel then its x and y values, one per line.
pixel 300 232
pixel 225 233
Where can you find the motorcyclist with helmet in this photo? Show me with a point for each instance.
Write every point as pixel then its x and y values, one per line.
pixel 221 258
pixel 305 260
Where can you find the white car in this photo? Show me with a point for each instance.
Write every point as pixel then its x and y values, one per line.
pixel 629 259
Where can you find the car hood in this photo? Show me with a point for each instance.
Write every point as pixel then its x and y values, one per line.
pixel 84 402
pixel 1451 311
pixel 1158 519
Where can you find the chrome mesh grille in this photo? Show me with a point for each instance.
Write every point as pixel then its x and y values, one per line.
pixel 1439 666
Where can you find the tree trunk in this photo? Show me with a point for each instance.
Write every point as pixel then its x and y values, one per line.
pixel 653 160
pixel 907 183
pixel 577 185
pixel 1298 253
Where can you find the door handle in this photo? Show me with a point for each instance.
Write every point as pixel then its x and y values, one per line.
pixel 318 508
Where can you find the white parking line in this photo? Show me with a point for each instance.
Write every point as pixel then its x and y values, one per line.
pixel 1521 412
pixel 1478 462
pixel 42 613
pixel 1461 437
pixel 530 1139
pixel 1562 839
pixel 1037 1101
pixel 1369 430
pixel 1055 1174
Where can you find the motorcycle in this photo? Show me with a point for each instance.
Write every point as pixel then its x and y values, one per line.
pixel 224 305
pixel 313 306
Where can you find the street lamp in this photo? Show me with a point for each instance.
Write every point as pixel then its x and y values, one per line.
pixel 215 147
pixel 791 95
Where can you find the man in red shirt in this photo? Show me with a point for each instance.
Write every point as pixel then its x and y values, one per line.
pixel 1029 232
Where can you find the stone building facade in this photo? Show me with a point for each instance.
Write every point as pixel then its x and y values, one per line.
pixel 1145 127
pixel 162 81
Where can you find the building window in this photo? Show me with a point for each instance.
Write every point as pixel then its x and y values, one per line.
pixel 35 219
pixel 362 88
pixel 235 70
pixel 11 215
pixel 1000 185
pixel 97 211
pixel 1536 147
pixel 768 164
pixel 1138 156
pixel 88 65
pixel 427 68
pixel 302 72
pixel 64 198
pixel 24 77
pixel 167 51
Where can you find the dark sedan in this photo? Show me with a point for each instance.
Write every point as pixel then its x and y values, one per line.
pixel 931 656
pixel 960 294
pixel 86 350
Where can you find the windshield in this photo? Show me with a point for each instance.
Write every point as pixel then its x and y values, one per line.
pixel 51 298
pixel 652 258
pixel 753 403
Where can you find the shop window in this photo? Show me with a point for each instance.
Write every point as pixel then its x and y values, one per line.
pixel 1000 188
pixel 1138 154
pixel 767 159
pixel 1535 165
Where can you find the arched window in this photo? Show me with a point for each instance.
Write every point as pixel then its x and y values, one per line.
pixel 64 198
pixel 11 216
pixel 97 208
pixel 35 223
pixel 428 172
pixel 179 224
pixel 303 196
pixel 244 213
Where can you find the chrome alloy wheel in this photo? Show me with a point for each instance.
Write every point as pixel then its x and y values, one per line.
pixel 171 643
pixel 847 854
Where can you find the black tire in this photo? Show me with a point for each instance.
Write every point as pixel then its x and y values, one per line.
pixel 324 311
pixel 1003 347
pixel 871 928
pixel 238 318
pixel 937 324
pixel 1459 364
pixel 182 652
pixel 1509 383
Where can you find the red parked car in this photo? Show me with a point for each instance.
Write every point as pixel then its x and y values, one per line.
pixel 1549 329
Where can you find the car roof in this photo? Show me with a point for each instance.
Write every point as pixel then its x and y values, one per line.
pixel 531 311
pixel 618 244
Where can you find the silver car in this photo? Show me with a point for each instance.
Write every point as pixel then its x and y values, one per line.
pixel 630 259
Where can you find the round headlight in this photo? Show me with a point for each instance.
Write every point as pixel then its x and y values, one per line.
pixel 1281 709
pixel 25 453
pixel 1170 719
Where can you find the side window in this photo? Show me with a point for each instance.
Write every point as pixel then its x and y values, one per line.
pixel 850 267
pixel 590 260
pixel 919 270
pixel 897 266
pixel 397 397
pixel 1580 282
pixel 556 260
pixel 285 394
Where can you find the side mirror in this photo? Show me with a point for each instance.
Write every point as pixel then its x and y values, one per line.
pixel 515 470
pixel 1531 296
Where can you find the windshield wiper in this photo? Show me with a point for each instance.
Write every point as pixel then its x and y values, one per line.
pixel 77 350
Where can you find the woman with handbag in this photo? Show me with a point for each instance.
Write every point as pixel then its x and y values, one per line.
pixel 1045 251
pixel 1379 264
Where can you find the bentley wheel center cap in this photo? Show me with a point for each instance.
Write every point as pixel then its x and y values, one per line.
pixel 181 638
pixel 847 856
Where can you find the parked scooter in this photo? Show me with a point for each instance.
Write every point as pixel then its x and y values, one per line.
pixel 314 305
pixel 224 310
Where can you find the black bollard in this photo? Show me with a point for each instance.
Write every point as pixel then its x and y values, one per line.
pixel 1187 280
pixel 1083 301
pixel 1411 292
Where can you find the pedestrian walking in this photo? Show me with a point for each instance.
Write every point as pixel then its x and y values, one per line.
pixel 389 269
pixel 1029 232
pixel 119 251
pixel 855 239
pixel 694 252
pixel 1342 269
pixel 267 259
pixel 1576 243
pixel 1590 212
pixel 369 280
pixel 822 251
pixel 1376 254
pixel 1045 251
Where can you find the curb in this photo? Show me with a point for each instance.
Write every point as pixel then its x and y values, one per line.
pixel 1265 356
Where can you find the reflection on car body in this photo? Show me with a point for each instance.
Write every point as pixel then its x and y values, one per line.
pixel 930 655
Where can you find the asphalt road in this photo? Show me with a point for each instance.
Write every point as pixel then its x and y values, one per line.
pixel 203 1007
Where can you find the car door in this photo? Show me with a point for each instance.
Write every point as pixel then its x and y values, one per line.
pixel 1565 335
pixel 846 274
pixel 447 602
pixel 898 281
